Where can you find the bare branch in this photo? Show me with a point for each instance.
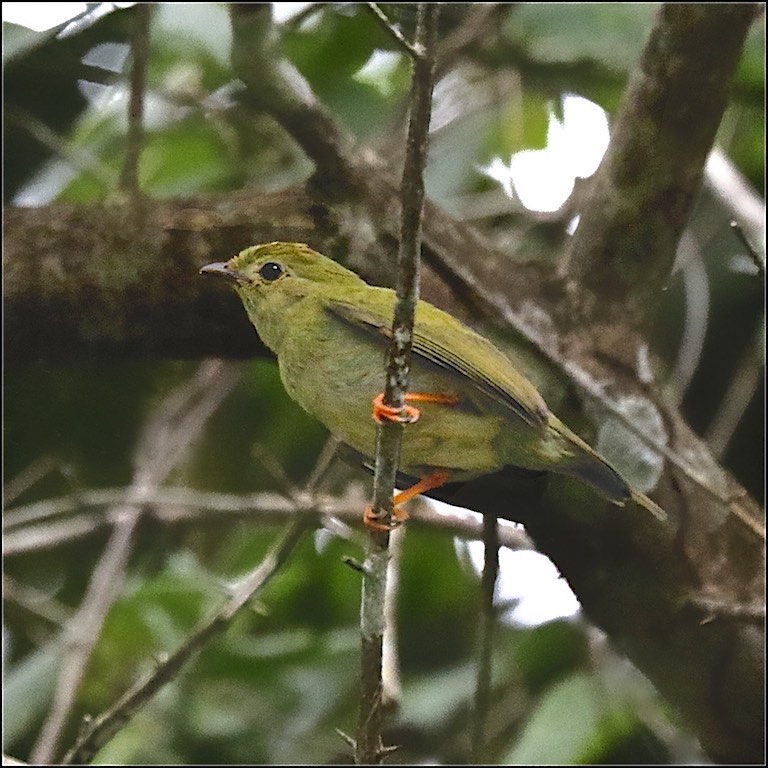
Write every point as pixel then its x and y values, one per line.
pixel 697 300
pixel 82 631
pixel 38 526
pixel 273 84
pixel 744 205
pixel 25 479
pixel 129 176
pixel 78 158
pixel 369 745
pixel 742 388
pixel 414 51
pixel 35 601
pixel 102 728
pixel 167 435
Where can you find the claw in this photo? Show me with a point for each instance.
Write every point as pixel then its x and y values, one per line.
pixel 408 414
pixel 371 520
pixel 400 515
pixel 405 415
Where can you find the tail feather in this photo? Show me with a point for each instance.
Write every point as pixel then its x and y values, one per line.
pixel 648 504
pixel 591 468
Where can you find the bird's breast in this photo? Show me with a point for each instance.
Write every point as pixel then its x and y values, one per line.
pixel 334 373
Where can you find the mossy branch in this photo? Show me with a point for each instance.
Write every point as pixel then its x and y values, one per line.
pixel 643 192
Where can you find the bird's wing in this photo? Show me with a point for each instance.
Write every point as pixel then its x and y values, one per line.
pixel 447 343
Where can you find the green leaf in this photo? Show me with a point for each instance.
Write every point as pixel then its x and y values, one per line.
pixel 612 34
pixel 563 727
pixel 549 652
pixel 28 687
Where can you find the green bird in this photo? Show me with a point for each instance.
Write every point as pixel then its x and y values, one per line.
pixel 477 413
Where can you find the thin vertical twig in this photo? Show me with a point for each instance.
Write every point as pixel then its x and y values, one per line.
pixel 129 176
pixel 488 624
pixel 369 748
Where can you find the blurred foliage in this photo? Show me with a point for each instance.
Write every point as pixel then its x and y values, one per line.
pixel 273 689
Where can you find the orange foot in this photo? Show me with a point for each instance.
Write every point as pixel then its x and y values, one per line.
pixel 408 414
pixel 399 515
pixel 371 520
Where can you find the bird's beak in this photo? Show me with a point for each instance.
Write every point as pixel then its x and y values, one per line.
pixel 221 268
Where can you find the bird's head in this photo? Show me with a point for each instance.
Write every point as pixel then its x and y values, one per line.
pixel 262 269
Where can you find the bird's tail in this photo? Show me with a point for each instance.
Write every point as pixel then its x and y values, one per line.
pixel 648 504
pixel 591 468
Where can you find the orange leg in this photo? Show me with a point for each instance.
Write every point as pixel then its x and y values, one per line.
pixel 408 414
pixel 399 515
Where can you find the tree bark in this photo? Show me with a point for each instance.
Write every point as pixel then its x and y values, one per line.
pixel 684 600
pixel 625 245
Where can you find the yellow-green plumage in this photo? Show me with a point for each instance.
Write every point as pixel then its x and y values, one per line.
pixel 329 330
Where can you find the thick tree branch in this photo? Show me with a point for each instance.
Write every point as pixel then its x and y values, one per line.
pixel 107 292
pixel 643 191
pixel 645 586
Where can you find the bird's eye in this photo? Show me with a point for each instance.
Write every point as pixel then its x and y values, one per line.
pixel 271 271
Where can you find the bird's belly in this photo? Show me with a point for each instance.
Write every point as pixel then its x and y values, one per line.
pixel 338 389
pixel 458 441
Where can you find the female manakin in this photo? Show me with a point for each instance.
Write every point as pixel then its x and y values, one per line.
pixel 476 413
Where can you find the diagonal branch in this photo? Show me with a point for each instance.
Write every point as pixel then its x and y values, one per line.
pixel 274 85
pixel 102 728
pixel 414 51
pixel 625 244
pixel 302 503
pixel 173 427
